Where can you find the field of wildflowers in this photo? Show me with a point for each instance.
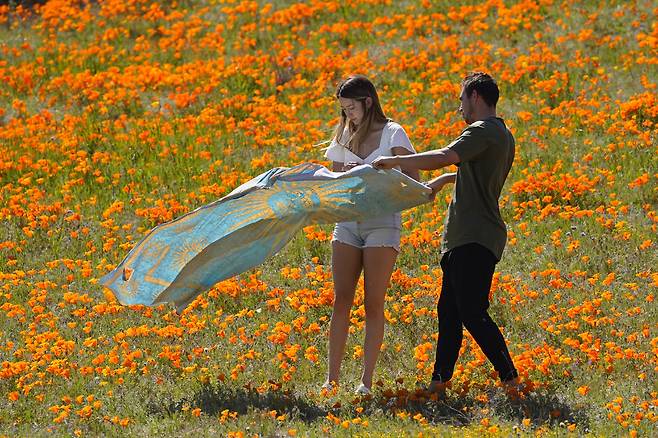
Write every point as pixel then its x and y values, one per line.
pixel 118 115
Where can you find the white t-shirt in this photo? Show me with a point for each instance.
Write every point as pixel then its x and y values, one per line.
pixel 393 135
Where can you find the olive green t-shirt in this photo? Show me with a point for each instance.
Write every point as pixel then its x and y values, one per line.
pixel 486 152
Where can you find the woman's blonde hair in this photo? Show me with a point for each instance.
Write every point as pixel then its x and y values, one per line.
pixel 359 88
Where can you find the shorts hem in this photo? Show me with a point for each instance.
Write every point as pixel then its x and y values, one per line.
pixel 396 248
pixel 346 243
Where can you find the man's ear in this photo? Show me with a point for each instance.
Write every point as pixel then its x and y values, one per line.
pixel 368 102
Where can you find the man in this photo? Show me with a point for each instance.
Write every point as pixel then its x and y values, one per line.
pixel 474 234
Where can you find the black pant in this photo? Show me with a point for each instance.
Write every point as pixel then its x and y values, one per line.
pixel 467 274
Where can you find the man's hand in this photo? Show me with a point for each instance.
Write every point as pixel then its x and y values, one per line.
pixel 437 183
pixel 385 162
pixel 435 191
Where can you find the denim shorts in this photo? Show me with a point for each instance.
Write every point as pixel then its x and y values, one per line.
pixel 379 232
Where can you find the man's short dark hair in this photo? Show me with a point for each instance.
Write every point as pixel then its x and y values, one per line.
pixel 484 85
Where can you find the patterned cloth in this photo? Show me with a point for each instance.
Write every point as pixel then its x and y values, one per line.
pixel 180 259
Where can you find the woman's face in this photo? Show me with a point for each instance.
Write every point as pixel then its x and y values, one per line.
pixel 354 109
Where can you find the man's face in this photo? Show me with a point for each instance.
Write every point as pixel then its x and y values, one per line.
pixel 467 105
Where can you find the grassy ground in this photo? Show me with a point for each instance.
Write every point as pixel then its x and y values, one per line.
pixel 116 116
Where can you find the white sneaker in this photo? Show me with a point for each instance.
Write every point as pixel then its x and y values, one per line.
pixel 362 390
pixel 328 386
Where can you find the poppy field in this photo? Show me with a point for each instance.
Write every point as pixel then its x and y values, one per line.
pixel 120 115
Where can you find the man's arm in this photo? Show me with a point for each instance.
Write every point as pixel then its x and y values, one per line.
pixel 429 160
pixel 437 183
pixel 410 172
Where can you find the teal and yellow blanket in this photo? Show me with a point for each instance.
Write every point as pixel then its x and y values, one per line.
pixel 180 259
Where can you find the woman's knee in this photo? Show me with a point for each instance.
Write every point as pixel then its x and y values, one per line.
pixel 343 300
pixel 374 309
pixel 374 313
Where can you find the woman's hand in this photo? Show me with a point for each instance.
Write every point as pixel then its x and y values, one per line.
pixel 349 165
pixel 343 167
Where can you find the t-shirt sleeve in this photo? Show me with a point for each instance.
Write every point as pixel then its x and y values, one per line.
pixel 335 152
pixel 399 138
pixel 471 143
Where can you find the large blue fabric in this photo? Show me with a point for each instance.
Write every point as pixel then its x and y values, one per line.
pixel 179 260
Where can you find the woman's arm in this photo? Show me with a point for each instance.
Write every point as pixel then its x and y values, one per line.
pixel 410 172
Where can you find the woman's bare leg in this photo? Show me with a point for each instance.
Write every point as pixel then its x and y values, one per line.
pixel 346 264
pixel 378 266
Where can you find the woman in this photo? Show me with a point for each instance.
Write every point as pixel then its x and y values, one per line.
pixel 363 134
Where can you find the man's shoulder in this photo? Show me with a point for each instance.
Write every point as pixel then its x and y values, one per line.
pixel 488 123
pixel 475 130
pixel 475 126
pixel 490 127
pixel 478 124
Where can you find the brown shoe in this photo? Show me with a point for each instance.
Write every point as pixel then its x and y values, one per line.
pixel 513 387
pixel 438 388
